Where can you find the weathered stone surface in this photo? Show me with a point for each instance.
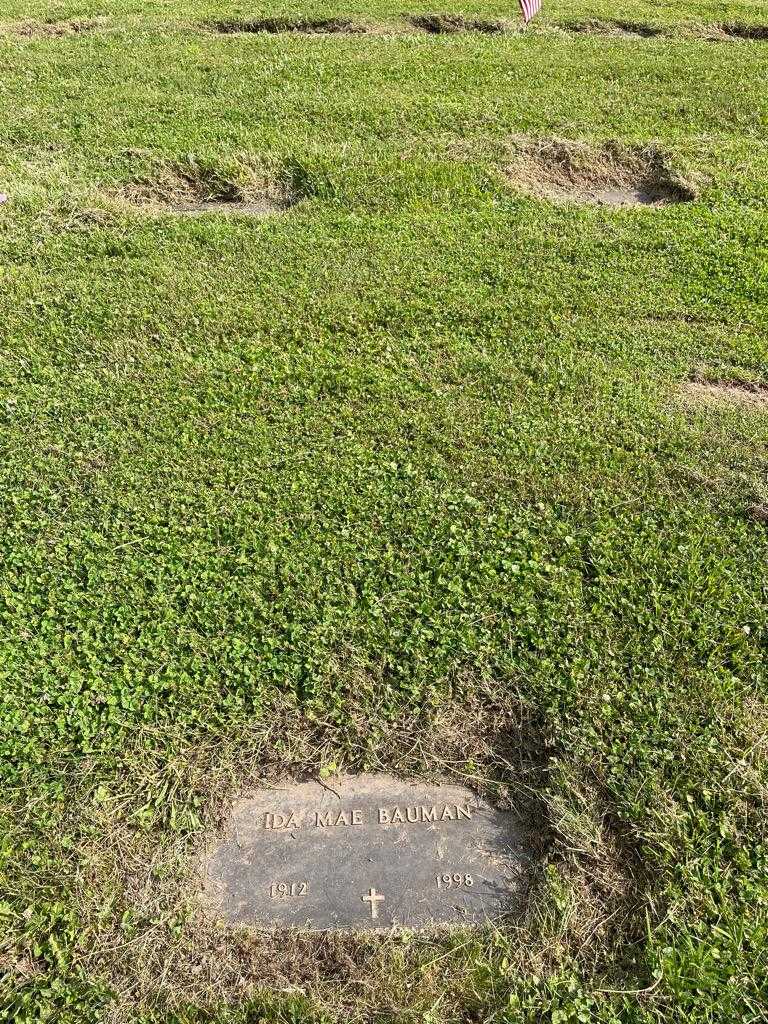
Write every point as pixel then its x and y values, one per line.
pixel 365 852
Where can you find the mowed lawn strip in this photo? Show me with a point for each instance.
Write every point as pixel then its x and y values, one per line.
pixel 409 474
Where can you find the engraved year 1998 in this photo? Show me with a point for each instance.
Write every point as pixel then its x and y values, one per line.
pixel 281 890
pixel 454 881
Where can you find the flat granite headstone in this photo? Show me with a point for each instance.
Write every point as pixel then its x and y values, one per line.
pixel 365 852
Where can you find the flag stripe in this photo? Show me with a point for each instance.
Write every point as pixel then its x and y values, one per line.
pixel 529 8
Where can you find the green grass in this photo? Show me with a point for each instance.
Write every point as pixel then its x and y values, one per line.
pixel 292 493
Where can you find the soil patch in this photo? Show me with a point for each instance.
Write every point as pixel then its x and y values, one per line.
pixel 445 24
pixel 631 197
pixel 739 31
pixel 616 29
pixel 258 208
pixel 193 190
pixel 752 395
pixel 608 175
pixel 316 26
pixel 50 29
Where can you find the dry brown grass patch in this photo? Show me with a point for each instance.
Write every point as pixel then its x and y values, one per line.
pixel 595 890
pixel 612 174
pixel 51 29
pixel 746 394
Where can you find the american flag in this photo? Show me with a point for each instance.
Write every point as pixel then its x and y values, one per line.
pixel 529 8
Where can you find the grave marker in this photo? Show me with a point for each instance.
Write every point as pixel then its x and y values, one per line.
pixel 365 852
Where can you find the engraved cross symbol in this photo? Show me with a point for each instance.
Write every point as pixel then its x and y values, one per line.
pixel 373 898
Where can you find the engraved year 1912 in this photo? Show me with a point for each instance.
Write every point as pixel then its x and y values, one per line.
pixel 282 890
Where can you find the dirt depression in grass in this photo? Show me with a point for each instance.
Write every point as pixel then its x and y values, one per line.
pixel 613 29
pixel 193 190
pixel 618 29
pixel 752 33
pixel 274 26
pixel 448 24
pixel 434 24
pixel 607 175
